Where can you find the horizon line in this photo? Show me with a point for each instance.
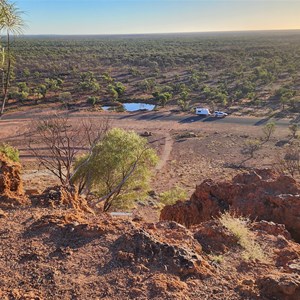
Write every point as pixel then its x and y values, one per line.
pixel 163 33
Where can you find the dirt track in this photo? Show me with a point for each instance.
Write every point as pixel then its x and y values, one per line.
pixel 14 123
pixel 166 152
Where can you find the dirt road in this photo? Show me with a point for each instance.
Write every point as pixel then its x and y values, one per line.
pixel 155 116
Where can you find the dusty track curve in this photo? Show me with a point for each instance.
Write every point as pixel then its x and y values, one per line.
pixel 166 152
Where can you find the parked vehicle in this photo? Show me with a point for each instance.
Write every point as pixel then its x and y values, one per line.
pixel 220 114
pixel 201 111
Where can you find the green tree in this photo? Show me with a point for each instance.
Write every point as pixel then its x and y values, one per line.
pixel 21 96
pixel 92 100
pixel 112 92
pixel 268 130
pixel 163 98
pixel 42 88
pixel 118 168
pixel 26 73
pixel 107 78
pixel 52 85
pixel 283 101
pixel 120 88
pixel 184 95
pixel 36 95
pixel 22 87
pixel 285 95
pixel 11 23
pixel 183 101
pixel 89 82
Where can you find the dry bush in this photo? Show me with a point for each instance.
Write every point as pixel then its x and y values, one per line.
pixel 239 226
pixel 56 142
pixel 289 162
pixel 250 147
pixel 294 130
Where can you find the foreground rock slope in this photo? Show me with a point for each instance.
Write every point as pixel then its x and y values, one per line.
pixel 53 246
pixel 62 254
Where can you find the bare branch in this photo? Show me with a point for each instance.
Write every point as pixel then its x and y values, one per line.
pixel 62 141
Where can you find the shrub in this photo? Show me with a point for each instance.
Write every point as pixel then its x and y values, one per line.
pixel 268 130
pixel 88 82
pixel 239 226
pixel 118 169
pixel 290 162
pixel 171 196
pixel 10 152
pixel 184 105
pixel 65 97
pixel 250 147
pixel 93 100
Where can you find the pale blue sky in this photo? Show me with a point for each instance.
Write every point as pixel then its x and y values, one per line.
pixel 155 16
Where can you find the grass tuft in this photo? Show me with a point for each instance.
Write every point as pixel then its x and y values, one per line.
pixel 239 226
pixel 10 152
pixel 171 196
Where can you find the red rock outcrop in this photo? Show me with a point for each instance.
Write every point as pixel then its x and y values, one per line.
pixel 167 247
pixel 11 187
pixel 260 194
pixel 280 286
pixel 59 196
pixel 214 238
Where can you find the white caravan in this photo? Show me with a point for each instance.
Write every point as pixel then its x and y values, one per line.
pixel 202 111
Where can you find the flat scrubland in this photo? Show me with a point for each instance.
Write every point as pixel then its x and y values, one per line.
pixel 243 73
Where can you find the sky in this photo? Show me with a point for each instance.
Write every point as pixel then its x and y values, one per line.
pixel 157 16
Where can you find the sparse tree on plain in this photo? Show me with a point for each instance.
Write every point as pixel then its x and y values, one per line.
pixel 289 163
pixel 269 130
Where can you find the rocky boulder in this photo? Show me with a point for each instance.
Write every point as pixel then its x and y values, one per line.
pixel 259 194
pixel 59 196
pixel 278 286
pixel 214 238
pixel 161 252
pixel 11 187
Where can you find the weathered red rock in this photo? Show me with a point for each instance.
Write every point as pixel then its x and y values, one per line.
pixel 214 238
pixel 260 194
pixel 11 187
pixel 286 287
pixel 169 246
pixel 59 196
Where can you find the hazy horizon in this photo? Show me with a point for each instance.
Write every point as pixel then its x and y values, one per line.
pixel 125 17
pixel 171 33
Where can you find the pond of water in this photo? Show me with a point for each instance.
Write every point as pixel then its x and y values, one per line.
pixel 133 107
